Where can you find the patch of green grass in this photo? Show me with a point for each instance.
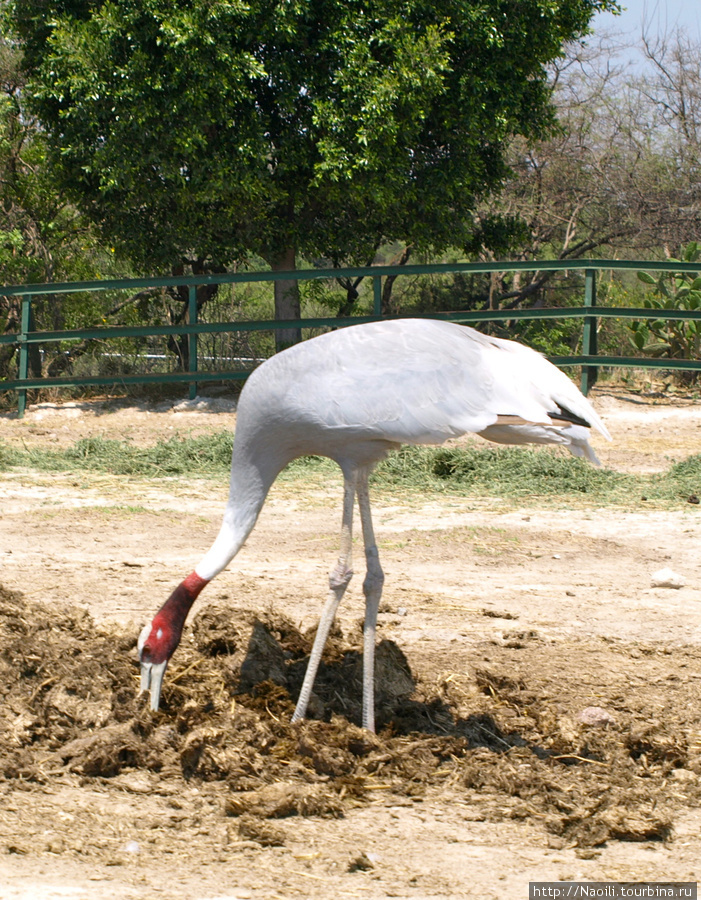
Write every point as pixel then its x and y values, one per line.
pixel 202 456
pixel 311 466
pixel 501 471
pixel 680 482
pixel 517 473
pixel 9 457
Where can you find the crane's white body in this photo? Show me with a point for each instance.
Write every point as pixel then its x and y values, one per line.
pixel 355 394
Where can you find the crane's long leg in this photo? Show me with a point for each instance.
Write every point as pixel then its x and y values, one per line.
pixel 372 588
pixel 339 578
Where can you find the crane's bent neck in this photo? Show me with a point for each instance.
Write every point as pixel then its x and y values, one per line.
pixel 251 478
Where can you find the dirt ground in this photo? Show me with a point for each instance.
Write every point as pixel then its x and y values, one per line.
pixel 540 714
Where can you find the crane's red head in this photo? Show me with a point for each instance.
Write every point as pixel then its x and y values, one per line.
pixel 159 640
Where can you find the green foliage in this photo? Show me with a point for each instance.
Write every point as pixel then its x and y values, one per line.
pixel 42 236
pixel 670 338
pixel 549 336
pixel 553 337
pixel 207 130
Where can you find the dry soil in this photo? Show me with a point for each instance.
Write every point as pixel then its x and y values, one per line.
pixel 539 699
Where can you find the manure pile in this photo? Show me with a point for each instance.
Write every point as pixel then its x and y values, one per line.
pixel 70 708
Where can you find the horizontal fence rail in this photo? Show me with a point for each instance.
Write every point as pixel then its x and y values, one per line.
pixel 590 312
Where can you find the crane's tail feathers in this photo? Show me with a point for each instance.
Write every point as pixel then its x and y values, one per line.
pixel 565 415
pixel 574 437
pixel 563 420
pixel 577 439
pixel 592 419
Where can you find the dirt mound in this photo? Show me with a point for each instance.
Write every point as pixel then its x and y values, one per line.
pixel 70 705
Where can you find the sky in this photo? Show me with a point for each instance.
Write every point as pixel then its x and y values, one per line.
pixel 660 15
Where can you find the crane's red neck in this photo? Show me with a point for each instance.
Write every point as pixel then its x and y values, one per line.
pixel 167 625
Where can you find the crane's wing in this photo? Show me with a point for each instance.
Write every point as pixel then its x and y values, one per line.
pixel 421 381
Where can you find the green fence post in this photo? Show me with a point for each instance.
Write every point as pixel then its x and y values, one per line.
pixel 192 338
pixel 24 353
pixel 589 332
pixel 377 295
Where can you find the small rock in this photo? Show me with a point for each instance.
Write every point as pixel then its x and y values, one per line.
pixel 135 782
pixel 595 716
pixel 282 799
pixel 55 845
pixel 683 775
pixel 668 579
pixel 498 614
pixel 261 831
pixel 360 863
pixel 402 611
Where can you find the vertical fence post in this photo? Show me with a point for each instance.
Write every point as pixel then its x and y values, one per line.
pixel 377 295
pixel 25 322
pixel 192 338
pixel 589 332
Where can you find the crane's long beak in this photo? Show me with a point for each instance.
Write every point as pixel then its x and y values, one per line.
pixel 152 679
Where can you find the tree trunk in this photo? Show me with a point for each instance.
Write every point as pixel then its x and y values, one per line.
pixel 350 286
pixel 11 310
pixel 287 305
pixel 179 344
pixel 388 305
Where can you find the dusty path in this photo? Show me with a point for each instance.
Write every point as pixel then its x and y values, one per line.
pixel 559 598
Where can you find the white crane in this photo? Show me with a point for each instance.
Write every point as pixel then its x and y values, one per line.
pixel 353 395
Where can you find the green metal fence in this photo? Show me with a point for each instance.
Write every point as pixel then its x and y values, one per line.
pixel 589 312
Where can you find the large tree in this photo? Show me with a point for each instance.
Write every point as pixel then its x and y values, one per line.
pixel 196 132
